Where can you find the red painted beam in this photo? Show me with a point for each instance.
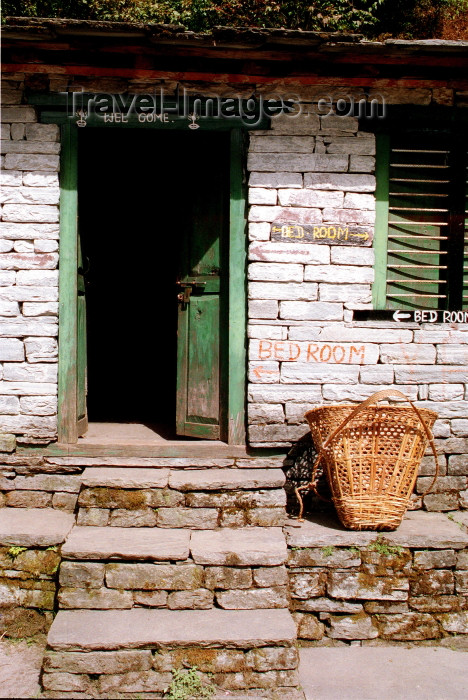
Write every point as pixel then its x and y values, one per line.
pixel 233 78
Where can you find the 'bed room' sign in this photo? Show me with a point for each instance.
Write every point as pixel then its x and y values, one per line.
pixel 331 234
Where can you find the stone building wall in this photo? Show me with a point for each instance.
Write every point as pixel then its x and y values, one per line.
pixel 304 348
pixel 28 270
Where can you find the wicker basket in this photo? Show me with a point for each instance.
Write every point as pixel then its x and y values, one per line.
pixel 371 456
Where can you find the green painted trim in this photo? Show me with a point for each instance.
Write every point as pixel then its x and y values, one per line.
pixel 235 365
pixel 192 449
pixel 67 374
pixel 379 289
pixel 237 316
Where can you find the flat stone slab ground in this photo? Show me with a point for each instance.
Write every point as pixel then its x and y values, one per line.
pixel 34 527
pixel 20 666
pixel 82 630
pixel 254 546
pixel 418 529
pixel 141 543
pixel 384 673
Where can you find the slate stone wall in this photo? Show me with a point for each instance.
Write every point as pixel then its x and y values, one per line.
pixel 379 592
pixel 28 585
pixel 267 672
pixel 28 271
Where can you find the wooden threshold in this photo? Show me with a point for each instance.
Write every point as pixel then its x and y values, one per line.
pixel 137 440
pixel 181 449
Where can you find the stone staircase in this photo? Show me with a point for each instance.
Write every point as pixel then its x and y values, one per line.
pixel 169 569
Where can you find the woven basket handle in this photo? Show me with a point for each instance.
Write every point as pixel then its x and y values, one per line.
pixel 374 398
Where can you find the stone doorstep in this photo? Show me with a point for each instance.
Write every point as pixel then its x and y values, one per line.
pixel 34 527
pixel 418 530
pixel 253 546
pixel 90 630
pixel 125 477
pixel 183 479
pixel 144 543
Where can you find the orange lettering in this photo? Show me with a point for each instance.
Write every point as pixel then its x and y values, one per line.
pixel 279 349
pixel 325 349
pixel 312 351
pixel 294 348
pixel 361 351
pixel 264 349
pixel 336 350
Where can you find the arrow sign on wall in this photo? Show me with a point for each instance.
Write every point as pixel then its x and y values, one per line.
pixel 413 316
pixel 400 316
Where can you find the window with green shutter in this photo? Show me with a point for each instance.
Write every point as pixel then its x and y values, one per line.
pixel 421 237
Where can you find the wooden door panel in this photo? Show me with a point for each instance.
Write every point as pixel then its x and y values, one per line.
pixel 198 366
pixel 203 353
pixel 199 336
pixel 81 368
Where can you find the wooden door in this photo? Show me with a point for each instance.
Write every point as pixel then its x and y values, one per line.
pixel 81 361
pixel 200 308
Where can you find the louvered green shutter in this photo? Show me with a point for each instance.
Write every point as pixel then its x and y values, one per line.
pixel 419 243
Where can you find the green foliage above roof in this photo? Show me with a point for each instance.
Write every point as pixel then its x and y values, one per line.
pixel 447 19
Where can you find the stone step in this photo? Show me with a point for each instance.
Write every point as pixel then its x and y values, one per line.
pixel 142 543
pixel 118 568
pixel 34 527
pixel 183 479
pixel 185 498
pixel 101 653
pixel 252 546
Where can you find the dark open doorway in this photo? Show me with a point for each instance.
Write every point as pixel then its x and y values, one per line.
pixel 136 200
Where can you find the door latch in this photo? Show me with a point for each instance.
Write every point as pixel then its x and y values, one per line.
pixel 184 296
pixel 187 287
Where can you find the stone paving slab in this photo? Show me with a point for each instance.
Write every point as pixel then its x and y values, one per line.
pixel 34 527
pixel 139 628
pixel 226 479
pixel 385 673
pixel 255 546
pixel 127 543
pixel 125 478
pixel 418 529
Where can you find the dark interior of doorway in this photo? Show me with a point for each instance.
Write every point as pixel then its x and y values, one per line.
pixel 134 208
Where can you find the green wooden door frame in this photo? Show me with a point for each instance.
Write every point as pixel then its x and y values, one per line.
pixel 379 288
pixel 68 287
pixel 235 365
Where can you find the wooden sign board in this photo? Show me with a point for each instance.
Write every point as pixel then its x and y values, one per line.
pixel 331 234
pixel 411 315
